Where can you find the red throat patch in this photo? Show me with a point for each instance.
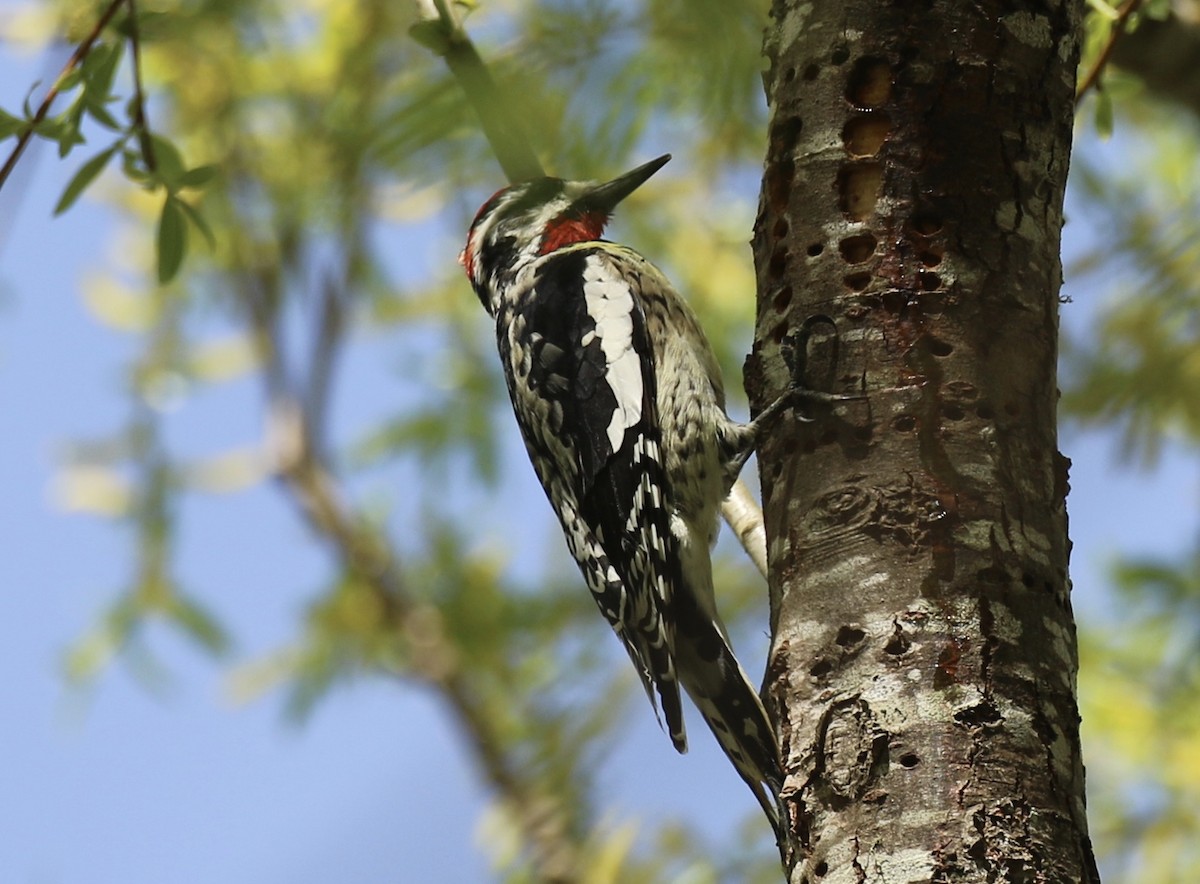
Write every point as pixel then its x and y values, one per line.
pixel 466 257
pixel 566 231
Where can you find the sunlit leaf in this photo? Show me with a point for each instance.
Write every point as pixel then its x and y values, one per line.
pixel 226 473
pixel 91 654
pixel 93 489
pixel 118 305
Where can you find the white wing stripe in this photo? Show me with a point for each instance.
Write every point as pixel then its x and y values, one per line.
pixel 610 304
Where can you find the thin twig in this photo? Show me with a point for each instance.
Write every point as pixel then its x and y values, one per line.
pixel 77 57
pixel 1118 29
pixel 139 113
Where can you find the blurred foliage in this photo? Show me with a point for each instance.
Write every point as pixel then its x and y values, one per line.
pixel 296 195
pixel 1136 371
pixel 330 164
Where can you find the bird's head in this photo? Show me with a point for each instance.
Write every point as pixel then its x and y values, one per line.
pixel 522 222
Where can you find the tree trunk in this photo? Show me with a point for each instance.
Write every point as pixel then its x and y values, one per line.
pixel 924 657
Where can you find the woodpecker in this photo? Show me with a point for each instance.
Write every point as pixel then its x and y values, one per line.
pixel 622 408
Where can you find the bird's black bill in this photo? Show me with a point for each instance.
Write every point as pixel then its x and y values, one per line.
pixel 604 197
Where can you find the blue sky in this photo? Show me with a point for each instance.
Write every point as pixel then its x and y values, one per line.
pixel 122 784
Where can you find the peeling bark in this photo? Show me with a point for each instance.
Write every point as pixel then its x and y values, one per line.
pixel 923 666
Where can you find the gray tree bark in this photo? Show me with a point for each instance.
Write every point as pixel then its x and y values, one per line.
pixel 924 657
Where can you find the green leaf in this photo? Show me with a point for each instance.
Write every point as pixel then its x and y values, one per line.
pixel 199 625
pixel 100 69
pixel 172 240
pixel 70 133
pixel 168 163
pixel 198 177
pixel 131 165
pixel 86 175
pixel 1104 114
pixel 197 219
pixel 100 114
pixel 72 79
pixel 10 125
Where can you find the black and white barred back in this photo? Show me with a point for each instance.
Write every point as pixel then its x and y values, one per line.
pixel 621 405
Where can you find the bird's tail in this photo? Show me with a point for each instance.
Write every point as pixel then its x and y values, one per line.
pixel 719 687
pixel 657 670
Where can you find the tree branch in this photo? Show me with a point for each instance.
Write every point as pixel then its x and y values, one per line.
pixel 139 113
pixel 77 57
pixel 1118 30
pixel 366 552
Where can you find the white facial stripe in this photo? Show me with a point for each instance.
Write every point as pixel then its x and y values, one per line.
pixel 610 304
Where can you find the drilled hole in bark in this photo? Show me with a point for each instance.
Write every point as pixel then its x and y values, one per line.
pixel 929 281
pixel 985 411
pixel 777 266
pixel 930 259
pixel 894 300
pixel 850 635
pixel 810 72
pixel 925 224
pixel 870 83
pixel 862 434
pixel 864 135
pixel 815 249
pixel 934 303
pixel 904 423
pixel 789 75
pixel 779 332
pixel 1027 580
pixel 938 347
pixel 783 299
pixel 840 54
pixel 856 249
pixel 820 668
pixel 858 189
pixel 909 760
pixel 952 413
pixel 779 183
pixel 784 135
pixel 979 715
pixel 857 282
pixel 821 869
pixel 897 644
pixel 781 228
